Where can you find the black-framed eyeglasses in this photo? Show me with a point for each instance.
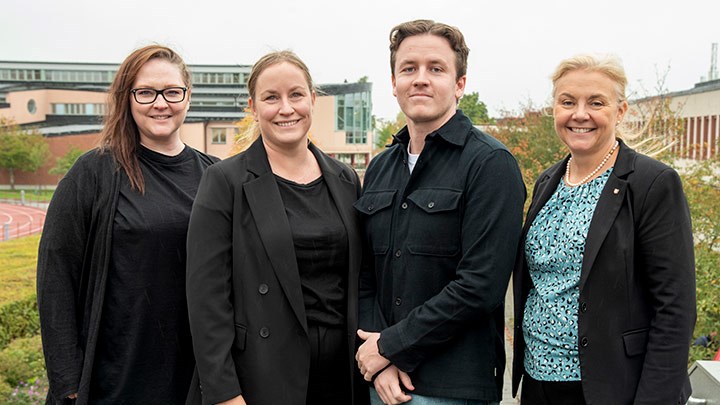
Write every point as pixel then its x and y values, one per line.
pixel 148 96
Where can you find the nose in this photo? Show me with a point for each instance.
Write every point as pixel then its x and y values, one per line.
pixel 286 107
pixel 581 112
pixel 160 102
pixel 421 78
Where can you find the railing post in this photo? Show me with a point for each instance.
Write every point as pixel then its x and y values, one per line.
pixel 6 231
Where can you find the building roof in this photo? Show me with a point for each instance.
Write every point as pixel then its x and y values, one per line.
pixel 699 88
pixel 69 129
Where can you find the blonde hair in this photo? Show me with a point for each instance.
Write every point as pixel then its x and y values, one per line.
pixel 246 138
pixel 611 66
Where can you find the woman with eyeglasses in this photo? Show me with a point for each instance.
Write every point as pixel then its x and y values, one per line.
pixel 111 263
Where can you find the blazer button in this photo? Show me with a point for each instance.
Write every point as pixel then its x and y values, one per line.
pixel 431 204
pixel 398 253
pixel 398 301
pixel 584 341
pixel 583 306
pixel 404 206
pixel 263 289
pixel 264 332
pixel 371 207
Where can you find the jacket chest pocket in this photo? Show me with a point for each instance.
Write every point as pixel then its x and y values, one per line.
pixel 376 207
pixel 435 224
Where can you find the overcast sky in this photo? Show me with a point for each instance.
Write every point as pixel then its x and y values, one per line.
pixel 514 45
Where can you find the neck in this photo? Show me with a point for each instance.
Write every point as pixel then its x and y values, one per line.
pixel 578 174
pixel 419 130
pixel 170 148
pixel 296 163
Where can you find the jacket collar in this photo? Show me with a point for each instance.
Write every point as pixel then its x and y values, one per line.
pixel 258 164
pixel 454 131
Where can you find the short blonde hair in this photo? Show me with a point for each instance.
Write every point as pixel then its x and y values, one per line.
pixel 609 65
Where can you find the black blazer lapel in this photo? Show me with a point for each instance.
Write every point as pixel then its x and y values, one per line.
pixel 546 187
pixel 344 192
pixel 608 206
pixel 267 209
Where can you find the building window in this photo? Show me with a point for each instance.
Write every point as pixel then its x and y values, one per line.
pixel 219 136
pixel 352 115
pixel 32 106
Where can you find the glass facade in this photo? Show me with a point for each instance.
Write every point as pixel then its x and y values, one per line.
pixel 352 113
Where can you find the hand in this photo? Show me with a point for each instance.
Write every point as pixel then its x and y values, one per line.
pixel 368 358
pixel 72 396
pixel 387 385
pixel 238 400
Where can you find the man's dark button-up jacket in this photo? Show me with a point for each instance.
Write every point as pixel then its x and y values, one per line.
pixel 441 244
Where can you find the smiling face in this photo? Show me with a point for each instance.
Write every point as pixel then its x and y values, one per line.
pixel 282 105
pixel 424 80
pixel 586 108
pixel 159 122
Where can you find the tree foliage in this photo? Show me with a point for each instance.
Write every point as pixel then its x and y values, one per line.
pixel 20 149
pixel 66 161
pixel 474 109
pixel 531 138
pixel 387 129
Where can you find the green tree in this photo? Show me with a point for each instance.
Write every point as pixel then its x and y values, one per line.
pixel 531 138
pixel 474 109
pixel 388 129
pixel 65 162
pixel 20 149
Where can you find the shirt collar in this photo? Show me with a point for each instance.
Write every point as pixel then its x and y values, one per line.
pixel 454 131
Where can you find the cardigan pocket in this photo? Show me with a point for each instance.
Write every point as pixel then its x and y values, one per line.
pixel 240 337
pixel 377 215
pixel 635 341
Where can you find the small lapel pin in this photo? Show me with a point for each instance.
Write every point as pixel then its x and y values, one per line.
pixel 616 191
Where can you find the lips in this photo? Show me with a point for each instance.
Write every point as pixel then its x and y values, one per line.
pixel 287 123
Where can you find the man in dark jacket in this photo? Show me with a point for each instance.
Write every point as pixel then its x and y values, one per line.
pixel 442 209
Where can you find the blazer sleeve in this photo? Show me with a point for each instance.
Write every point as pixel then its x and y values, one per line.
pixel 209 286
pixel 490 231
pixel 60 263
pixel 666 259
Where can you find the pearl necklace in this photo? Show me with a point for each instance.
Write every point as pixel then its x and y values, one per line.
pixel 597 169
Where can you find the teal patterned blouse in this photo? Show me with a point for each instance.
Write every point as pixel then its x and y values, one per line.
pixel 554 249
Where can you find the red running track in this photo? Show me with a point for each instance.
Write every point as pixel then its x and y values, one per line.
pixel 18 220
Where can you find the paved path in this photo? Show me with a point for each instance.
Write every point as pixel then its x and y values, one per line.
pixel 507 386
pixel 19 220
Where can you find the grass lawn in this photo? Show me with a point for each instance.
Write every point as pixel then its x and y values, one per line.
pixel 30 195
pixel 18 259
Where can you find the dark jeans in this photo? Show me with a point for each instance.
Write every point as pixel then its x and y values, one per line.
pixel 329 369
pixel 536 392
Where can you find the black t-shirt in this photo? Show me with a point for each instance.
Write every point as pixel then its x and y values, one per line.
pixel 144 351
pixel 321 248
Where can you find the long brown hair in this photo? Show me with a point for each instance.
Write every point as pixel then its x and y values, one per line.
pixel 120 134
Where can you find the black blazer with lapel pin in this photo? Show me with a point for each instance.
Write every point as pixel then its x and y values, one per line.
pixel 246 308
pixel 636 309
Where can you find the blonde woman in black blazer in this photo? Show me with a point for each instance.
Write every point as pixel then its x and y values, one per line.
pixel 621 331
pixel 273 259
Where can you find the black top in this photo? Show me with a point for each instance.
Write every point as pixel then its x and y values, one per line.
pixel 442 245
pixel 321 248
pixel 144 352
